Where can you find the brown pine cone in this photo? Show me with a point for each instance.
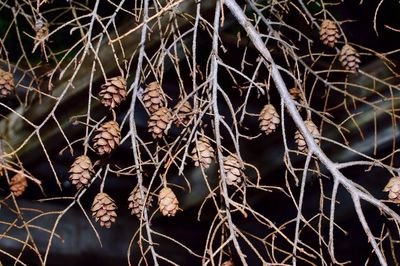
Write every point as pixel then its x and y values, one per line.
pixel 233 170
pixel 203 153
pixel 329 34
pixel 299 139
pixel 103 210
pixel 18 184
pixel 113 92
pixel 153 97
pixel 393 187
pixel 297 96
pixel 349 58
pixel 269 119
pixel 81 171
pixel 158 122
pixel 41 29
pixel 6 83
pixel 183 114
pixel 107 138
pixel 167 202
pixel 228 263
pixel 137 203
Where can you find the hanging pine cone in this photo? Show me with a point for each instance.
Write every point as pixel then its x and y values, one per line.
pixel 107 138
pixel 349 58
pixel 297 96
pixel 183 113
pixel 233 170
pixel 41 29
pixel 228 263
pixel 153 97
pixel 393 187
pixel 299 139
pixel 167 202
pixel 203 153
pixel 18 184
pixel 103 210
pixel 81 171
pixel 137 203
pixel 6 83
pixel 113 92
pixel 158 122
pixel 269 119
pixel 329 34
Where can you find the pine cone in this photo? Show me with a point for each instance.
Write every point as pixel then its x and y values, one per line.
pixel 18 184
pixel 297 96
pixel 183 114
pixel 167 202
pixel 113 92
pixel 269 119
pixel 349 58
pixel 329 34
pixel 107 138
pixel 393 187
pixel 299 139
pixel 158 122
pixel 228 263
pixel 42 30
pixel 153 97
pixel 103 210
pixel 203 153
pixel 81 171
pixel 6 83
pixel 233 170
pixel 136 202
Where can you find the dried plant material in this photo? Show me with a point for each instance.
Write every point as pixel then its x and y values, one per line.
pixel 18 184
pixel 103 210
pixel 153 97
pixel 167 202
pixel 107 138
pixel 233 170
pixel 393 187
pixel 228 263
pixel 113 92
pixel 6 83
pixel 299 138
pixel 268 119
pixel 203 153
pixel 297 96
pixel 183 112
pixel 158 122
pixel 329 33
pixel 349 58
pixel 42 30
pixel 137 202
pixel 81 171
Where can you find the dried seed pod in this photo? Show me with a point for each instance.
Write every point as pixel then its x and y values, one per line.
pixel 18 184
pixel 269 119
pixel 167 202
pixel 158 122
pixel 329 33
pixel 107 138
pixel 203 153
pixel 299 138
pixel 183 113
pixel 81 171
pixel 137 203
pixel 113 92
pixel 349 58
pixel 393 187
pixel 103 210
pixel 233 170
pixel 153 97
pixel 6 83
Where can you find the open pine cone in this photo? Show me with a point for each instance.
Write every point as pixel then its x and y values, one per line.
pixel 183 113
pixel 107 138
pixel 6 83
pixel 113 92
pixel 158 122
pixel 349 58
pixel 228 263
pixel 203 153
pixel 329 34
pixel 393 187
pixel 297 96
pixel 167 202
pixel 81 171
pixel 153 97
pixel 103 210
pixel 299 138
pixel 269 119
pixel 233 170
pixel 18 184
pixel 137 203
pixel 41 29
